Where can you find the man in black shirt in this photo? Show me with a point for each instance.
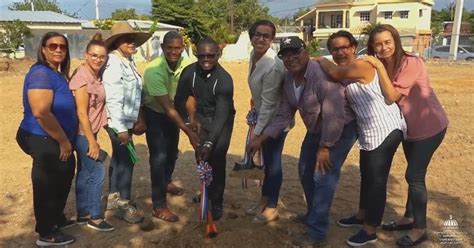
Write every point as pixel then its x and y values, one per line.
pixel 212 89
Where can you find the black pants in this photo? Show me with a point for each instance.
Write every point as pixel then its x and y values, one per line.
pixel 374 170
pixel 162 137
pixel 217 161
pixel 418 155
pixel 51 179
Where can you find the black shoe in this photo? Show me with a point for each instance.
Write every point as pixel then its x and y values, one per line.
pixel 66 223
pixel 217 212
pixel 393 226
pixel 82 220
pixel 350 222
pixel 305 241
pixel 406 241
pixel 58 238
pixel 361 238
pixel 103 226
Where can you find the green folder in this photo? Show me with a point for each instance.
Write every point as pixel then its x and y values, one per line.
pixel 131 150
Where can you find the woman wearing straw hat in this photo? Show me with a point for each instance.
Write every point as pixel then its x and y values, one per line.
pixel 123 87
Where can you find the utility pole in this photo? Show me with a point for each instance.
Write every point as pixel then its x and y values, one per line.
pixel 32 5
pixel 97 9
pixel 231 13
pixel 453 48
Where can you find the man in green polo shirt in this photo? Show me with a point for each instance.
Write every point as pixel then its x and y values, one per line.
pixel 163 121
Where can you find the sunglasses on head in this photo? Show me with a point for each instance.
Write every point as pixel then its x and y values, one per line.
pixel 54 46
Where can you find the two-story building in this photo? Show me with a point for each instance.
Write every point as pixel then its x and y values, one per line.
pixel 412 18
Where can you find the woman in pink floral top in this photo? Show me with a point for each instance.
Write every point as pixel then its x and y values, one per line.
pixel 89 93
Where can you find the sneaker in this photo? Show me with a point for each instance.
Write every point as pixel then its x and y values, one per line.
pixel 112 201
pixel 350 222
pixel 103 226
pixel 362 238
pixel 304 240
pixel 55 239
pixel 66 223
pixel 82 220
pixel 130 212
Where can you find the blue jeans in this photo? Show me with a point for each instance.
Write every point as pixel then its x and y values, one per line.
pixel 162 137
pixel 121 168
pixel 272 150
pixel 319 189
pixel 89 181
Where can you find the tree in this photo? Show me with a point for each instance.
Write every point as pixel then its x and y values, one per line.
pixel 40 5
pixel 300 12
pixel 203 18
pixel 125 14
pixel 15 32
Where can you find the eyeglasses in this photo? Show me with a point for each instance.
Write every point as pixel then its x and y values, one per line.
pixel 207 56
pixel 258 35
pixel 343 49
pixel 97 56
pixel 54 46
pixel 290 54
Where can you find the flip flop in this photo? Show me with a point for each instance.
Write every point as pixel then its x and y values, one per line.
pixel 262 219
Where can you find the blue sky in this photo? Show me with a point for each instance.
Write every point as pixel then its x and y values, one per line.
pixel 86 10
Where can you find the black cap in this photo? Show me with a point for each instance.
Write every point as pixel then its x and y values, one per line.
pixel 291 42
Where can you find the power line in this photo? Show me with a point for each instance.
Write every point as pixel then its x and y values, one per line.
pixel 286 10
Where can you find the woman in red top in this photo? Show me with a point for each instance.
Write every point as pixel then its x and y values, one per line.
pixel 404 80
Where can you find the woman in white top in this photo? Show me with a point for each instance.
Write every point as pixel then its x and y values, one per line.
pixel 123 88
pixel 265 78
pixel 381 127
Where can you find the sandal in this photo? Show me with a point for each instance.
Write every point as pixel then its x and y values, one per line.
pixel 174 190
pixel 165 214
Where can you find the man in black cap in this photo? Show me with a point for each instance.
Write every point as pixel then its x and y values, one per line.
pixel 330 133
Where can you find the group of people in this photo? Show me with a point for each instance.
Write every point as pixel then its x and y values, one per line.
pixel 380 100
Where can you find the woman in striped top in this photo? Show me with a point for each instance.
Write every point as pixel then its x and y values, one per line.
pixel 381 128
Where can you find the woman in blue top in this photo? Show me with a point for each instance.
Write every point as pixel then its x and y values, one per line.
pixel 48 129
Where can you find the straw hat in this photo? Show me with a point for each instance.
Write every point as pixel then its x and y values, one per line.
pixel 120 29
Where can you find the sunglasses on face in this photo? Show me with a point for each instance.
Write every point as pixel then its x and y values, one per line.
pixel 127 39
pixel 258 35
pixel 207 56
pixel 54 46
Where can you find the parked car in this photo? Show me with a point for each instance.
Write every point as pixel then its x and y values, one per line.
pixel 464 52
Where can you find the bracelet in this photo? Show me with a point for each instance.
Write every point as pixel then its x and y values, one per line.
pixel 208 144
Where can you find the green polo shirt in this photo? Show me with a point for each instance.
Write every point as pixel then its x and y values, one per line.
pixel 160 80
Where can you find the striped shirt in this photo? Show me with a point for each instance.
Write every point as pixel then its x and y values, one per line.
pixel 375 119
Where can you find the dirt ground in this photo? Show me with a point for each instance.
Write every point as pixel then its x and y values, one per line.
pixel 449 181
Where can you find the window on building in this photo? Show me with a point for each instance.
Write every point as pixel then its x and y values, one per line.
pixel 348 23
pixel 387 15
pixel 365 16
pixel 321 21
pixel 336 21
pixel 420 13
pixel 404 14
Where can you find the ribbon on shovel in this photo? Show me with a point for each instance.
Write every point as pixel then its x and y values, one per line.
pixel 252 118
pixel 205 176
